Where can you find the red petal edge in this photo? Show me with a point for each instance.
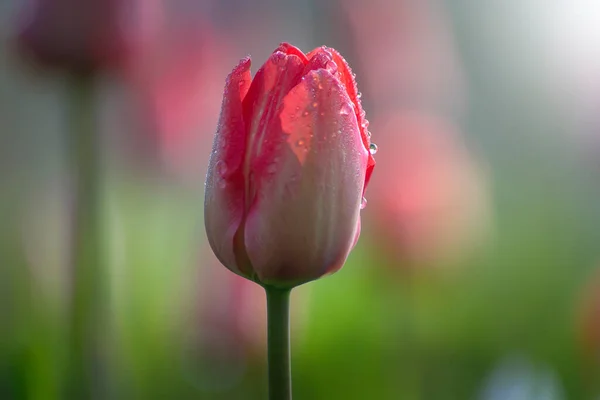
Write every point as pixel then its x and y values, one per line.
pixel 224 202
pixel 346 77
pixel 289 50
pixel 237 84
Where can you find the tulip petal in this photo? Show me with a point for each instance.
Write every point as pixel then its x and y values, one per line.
pixel 304 220
pixel 265 160
pixel 261 107
pixel 320 58
pixel 224 193
pixel 290 49
pixel 346 76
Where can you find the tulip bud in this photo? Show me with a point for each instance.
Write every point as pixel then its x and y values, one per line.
pixel 82 36
pixel 289 168
pixel 433 206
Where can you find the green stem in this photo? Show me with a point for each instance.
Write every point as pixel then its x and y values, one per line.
pixel 85 373
pixel 278 331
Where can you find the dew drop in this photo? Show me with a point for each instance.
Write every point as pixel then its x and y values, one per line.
pixel 331 67
pixel 363 203
pixel 373 148
pixel 323 113
pixel 300 143
pixel 358 95
pixel 221 170
pixel 346 109
pixel 280 60
pixel 305 113
pixel 315 104
pixel 365 124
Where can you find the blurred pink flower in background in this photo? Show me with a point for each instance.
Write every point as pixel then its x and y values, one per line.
pixel 229 325
pixel 431 202
pixel 233 305
pixel 81 35
pixel 413 53
pixel 177 83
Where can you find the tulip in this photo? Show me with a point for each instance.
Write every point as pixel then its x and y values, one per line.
pixel 177 96
pixel 286 180
pixel 84 36
pixel 290 164
pixel 433 207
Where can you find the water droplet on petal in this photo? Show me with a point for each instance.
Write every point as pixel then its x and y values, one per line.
pixel 365 124
pixel 280 60
pixel 346 109
pixel 331 67
pixel 373 148
pixel 300 142
pixel 221 170
pixel 358 95
pixel 305 113
pixel 363 203
pixel 315 104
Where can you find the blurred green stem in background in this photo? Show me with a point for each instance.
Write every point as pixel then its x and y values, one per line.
pixel 278 333
pixel 86 322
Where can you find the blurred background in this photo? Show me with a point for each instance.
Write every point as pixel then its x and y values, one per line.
pixel 477 275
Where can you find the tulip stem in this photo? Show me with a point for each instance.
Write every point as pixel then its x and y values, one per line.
pixel 85 372
pixel 278 332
